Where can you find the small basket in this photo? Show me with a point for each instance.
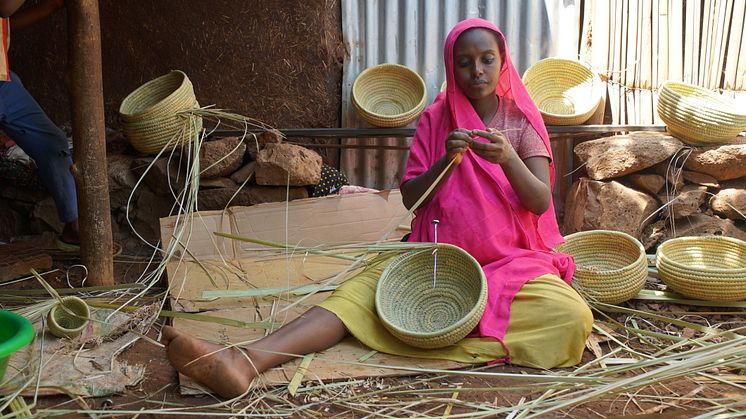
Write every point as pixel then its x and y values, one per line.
pixel 567 92
pixel 389 95
pixel 611 265
pixel 68 322
pixel 432 316
pixel 15 333
pixel 699 116
pixel 150 114
pixel 709 268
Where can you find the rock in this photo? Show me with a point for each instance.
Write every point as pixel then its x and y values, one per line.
pixel 220 158
pixel 700 179
pixel 147 212
pixel 616 156
pixel 687 202
pixel 730 201
pixel 219 198
pixel 164 177
pixel 119 197
pixel 275 161
pixel 221 182
pixel 696 225
pixel 117 143
pixel 671 174
pixel 13 193
pixel 12 222
pixel 651 183
pixel 272 136
pixel 121 179
pixel 262 194
pixel 723 163
pixel 139 165
pixel 46 211
pixel 119 167
pixel 594 205
pixel 245 173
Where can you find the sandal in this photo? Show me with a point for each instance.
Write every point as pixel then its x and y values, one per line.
pixel 74 248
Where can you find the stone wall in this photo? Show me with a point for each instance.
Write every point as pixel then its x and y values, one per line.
pixel 653 187
pixel 144 189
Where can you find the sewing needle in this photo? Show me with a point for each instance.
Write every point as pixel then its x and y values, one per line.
pixel 435 252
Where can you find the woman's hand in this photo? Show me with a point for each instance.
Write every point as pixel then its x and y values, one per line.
pixel 498 150
pixel 456 144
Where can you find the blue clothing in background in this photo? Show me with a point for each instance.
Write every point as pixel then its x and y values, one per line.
pixel 25 122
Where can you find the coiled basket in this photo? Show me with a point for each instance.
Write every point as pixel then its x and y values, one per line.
pixel 699 116
pixel 428 315
pixel 611 266
pixel 567 92
pixel 389 95
pixel 151 117
pixel 706 268
pixel 68 318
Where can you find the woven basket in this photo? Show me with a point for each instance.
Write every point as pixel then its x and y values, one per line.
pixel 389 95
pixel 699 116
pixel 69 321
pixel 150 114
pixel 566 92
pixel 432 316
pixel 611 265
pixel 707 268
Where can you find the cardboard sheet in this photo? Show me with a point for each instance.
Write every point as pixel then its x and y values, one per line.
pixel 234 264
pixel 189 280
pixel 227 265
pixel 364 217
pixel 339 362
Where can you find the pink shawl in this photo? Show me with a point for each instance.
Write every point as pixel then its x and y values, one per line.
pixel 477 207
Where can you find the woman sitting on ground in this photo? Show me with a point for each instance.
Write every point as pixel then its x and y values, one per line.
pixel 494 202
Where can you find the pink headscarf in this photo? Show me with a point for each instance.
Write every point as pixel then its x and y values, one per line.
pixel 477 206
pixel 510 85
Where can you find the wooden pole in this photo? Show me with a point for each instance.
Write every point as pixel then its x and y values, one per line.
pixel 86 91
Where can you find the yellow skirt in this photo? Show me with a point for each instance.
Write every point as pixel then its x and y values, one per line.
pixel 549 324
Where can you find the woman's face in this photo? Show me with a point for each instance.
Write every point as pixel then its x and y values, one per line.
pixel 477 63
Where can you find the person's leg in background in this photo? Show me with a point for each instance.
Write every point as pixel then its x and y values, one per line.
pixel 25 122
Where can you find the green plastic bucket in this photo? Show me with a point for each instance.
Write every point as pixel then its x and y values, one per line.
pixel 15 333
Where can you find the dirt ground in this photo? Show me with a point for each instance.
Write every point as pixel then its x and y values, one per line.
pixel 159 389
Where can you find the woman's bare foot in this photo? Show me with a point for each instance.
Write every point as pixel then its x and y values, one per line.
pixel 227 372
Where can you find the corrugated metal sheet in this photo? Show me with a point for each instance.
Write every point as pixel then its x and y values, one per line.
pixel 412 32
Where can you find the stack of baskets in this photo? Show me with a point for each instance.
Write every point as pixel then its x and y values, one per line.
pixel 699 116
pixel 426 314
pixel 567 92
pixel 611 265
pixel 389 95
pixel 150 114
pixel 707 268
